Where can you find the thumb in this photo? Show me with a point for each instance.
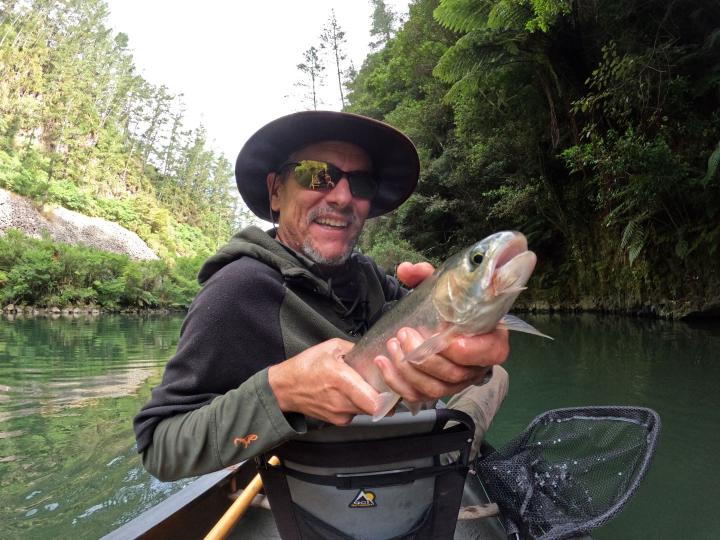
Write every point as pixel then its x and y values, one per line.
pixel 413 274
pixel 357 389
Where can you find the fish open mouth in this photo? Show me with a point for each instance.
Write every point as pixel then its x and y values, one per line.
pixel 513 266
pixel 509 251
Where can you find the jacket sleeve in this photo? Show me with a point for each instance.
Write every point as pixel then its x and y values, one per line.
pixel 215 435
pixel 214 393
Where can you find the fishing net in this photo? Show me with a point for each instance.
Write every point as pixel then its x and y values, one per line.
pixel 571 470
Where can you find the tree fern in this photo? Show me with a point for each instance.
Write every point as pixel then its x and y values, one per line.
pixel 462 15
pixel 505 15
pixel 469 52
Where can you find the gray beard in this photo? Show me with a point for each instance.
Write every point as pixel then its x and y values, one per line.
pixel 311 253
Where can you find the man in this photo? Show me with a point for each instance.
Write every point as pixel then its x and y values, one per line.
pixel 259 358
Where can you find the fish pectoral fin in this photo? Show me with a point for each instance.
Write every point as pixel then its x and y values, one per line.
pixel 511 322
pixel 415 407
pixel 385 403
pixel 432 345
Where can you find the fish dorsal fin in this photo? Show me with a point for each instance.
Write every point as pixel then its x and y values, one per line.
pixel 511 322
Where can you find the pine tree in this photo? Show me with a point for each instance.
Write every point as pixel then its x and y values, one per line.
pixel 312 67
pixel 333 38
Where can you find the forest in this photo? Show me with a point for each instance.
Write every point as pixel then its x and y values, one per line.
pixel 80 128
pixel 593 127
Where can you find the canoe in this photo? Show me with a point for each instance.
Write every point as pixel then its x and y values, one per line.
pixel 193 511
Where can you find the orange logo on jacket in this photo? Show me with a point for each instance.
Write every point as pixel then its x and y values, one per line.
pixel 245 441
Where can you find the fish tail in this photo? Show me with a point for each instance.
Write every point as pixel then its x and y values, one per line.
pixel 414 407
pixel 384 404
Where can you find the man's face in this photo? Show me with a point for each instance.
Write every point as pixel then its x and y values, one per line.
pixel 323 225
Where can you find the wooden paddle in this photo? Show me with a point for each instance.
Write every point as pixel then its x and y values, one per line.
pixel 226 523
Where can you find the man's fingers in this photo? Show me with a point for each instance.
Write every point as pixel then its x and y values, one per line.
pixel 395 380
pixel 486 349
pixel 436 376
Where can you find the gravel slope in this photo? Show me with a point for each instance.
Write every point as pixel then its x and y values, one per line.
pixel 70 227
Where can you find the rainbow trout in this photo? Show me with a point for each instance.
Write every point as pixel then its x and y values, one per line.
pixel 469 294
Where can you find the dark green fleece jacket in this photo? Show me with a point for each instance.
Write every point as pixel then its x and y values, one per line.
pixel 260 304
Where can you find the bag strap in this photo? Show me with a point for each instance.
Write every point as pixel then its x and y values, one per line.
pixel 368 453
pixel 278 494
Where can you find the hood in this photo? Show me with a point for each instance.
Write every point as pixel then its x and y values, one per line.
pixel 262 246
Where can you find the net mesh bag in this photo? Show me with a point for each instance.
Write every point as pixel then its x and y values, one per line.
pixel 571 470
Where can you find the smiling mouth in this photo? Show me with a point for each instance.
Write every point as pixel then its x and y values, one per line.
pixel 334 223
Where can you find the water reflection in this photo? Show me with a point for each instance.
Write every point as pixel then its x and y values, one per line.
pixel 70 387
pixel 68 391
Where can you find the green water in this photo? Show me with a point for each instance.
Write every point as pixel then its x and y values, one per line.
pixel 68 391
pixel 69 388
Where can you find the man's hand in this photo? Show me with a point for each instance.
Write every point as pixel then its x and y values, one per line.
pixel 465 361
pixel 318 383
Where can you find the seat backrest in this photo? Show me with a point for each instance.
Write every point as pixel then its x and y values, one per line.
pixel 372 479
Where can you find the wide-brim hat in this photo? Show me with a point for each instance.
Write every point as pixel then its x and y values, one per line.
pixel 395 160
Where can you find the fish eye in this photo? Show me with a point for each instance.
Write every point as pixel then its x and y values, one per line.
pixel 477 257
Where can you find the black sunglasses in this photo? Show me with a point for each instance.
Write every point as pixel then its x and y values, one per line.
pixel 323 176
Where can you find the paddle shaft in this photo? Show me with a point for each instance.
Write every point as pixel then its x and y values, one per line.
pixel 226 523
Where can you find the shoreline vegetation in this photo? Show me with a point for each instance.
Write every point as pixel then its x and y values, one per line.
pixel 592 128
pixel 43 274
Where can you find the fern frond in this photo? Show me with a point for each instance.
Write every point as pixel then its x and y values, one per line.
pixel 467 52
pixel 631 234
pixel 462 15
pixel 712 166
pixel 633 252
pixel 712 40
pixel 463 86
pixel 633 237
pixel 506 15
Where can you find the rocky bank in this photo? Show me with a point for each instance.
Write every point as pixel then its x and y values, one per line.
pixel 64 225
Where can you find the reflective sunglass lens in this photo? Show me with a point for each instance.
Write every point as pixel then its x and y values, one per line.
pixel 320 176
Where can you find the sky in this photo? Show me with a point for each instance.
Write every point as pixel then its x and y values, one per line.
pixel 235 62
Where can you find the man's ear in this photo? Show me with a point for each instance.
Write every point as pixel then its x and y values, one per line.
pixel 273 186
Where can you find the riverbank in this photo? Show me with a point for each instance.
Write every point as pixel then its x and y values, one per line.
pixel 12 312
pixel 667 309
pixel 670 311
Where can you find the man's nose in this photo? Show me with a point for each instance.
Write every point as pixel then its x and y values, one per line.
pixel 340 195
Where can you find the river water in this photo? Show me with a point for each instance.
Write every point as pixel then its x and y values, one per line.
pixel 70 387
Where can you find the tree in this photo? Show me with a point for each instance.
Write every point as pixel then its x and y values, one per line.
pixel 312 67
pixel 333 38
pixel 79 127
pixel 382 27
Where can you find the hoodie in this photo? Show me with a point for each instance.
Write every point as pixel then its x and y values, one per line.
pixel 261 303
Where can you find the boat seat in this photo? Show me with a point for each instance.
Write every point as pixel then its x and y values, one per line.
pixel 372 480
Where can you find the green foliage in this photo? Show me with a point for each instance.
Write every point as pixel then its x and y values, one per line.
pixel 590 128
pixel 712 166
pixel 386 247
pixel 69 195
pixel 47 273
pixel 80 129
pixel 21 178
